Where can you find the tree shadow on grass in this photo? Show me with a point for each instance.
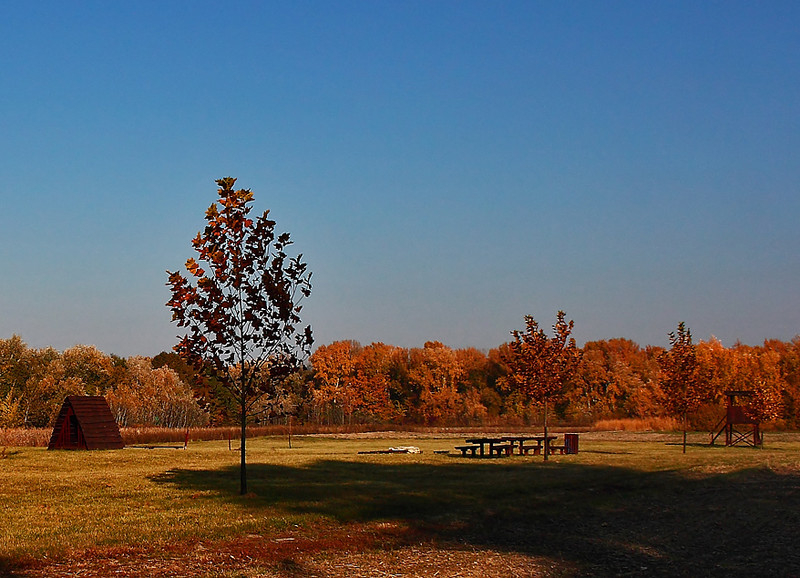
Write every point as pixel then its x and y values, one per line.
pixel 603 520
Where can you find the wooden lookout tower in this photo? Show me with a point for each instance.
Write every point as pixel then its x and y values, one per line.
pixel 739 428
pixel 85 422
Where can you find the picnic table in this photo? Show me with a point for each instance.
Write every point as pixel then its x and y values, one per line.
pixel 500 446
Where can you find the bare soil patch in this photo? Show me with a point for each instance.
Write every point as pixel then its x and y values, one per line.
pixel 354 552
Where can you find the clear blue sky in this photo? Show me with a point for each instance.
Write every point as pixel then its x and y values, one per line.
pixel 445 167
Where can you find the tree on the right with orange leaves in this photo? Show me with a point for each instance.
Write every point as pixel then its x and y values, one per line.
pixel 682 382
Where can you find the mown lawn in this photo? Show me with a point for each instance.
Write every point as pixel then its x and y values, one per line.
pixel 625 505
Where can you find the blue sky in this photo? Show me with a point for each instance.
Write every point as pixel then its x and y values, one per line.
pixel 445 167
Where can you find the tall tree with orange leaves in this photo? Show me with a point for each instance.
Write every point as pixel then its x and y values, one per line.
pixel 682 381
pixel 335 385
pixel 242 317
pixel 436 373
pixel 539 365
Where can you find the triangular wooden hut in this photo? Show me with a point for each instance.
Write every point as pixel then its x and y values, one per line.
pixel 85 422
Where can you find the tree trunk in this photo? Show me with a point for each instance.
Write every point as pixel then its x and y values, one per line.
pixel 684 431
pixel 243 464
pixel 546 441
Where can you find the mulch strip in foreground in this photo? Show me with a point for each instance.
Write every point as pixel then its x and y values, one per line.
pixel 377 550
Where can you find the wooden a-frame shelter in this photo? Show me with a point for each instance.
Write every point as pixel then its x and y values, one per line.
pixel 85 422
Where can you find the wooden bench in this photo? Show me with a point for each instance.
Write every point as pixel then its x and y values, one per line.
pixel 503 450
pixel 465 449
pixel 537 449
pixel 559 449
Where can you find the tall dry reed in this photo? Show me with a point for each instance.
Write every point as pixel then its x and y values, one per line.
pixel 151 435
pixel 21 437
pixel 637 424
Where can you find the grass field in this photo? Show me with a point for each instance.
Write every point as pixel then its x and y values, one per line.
pixel 630 503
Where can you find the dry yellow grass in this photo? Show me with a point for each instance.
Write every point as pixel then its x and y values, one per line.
pixel 629 503
pixel 637 424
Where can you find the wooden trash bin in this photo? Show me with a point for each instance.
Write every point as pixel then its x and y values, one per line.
pixel 571 443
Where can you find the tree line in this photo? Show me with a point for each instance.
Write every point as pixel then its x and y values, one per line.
pixel 34 383
pixel 608 379
pixel 346 383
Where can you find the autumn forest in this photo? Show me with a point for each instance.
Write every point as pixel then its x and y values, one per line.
pixel 347 383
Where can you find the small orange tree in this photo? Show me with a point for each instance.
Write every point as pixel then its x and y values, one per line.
pixel 682 382
pixel 539 365
pixel 242 316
